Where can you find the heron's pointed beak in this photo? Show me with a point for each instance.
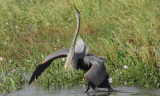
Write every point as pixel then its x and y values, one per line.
pixel 76 8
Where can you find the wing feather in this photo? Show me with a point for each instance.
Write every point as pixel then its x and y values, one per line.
pixel 41 67
pixel 97 71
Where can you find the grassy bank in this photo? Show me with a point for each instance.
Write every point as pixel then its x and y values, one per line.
pixel 126 32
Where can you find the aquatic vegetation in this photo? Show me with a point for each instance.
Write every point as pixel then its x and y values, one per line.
pixel 126 32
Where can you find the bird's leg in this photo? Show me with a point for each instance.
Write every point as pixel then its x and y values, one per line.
pixel 110 89
pixel 108 86
pixel 92 85
pixel 87 88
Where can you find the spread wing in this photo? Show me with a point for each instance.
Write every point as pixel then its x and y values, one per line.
pixel 41 67
pixel 97 71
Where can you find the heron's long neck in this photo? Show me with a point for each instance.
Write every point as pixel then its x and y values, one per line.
pixel 71 63
pixel 76 34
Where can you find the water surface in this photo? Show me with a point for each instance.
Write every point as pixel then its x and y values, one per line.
pixel 79 91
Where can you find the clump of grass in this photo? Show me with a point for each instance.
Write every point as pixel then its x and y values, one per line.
pixel 125 32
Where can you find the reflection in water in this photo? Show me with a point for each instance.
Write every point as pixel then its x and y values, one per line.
pixel 79 91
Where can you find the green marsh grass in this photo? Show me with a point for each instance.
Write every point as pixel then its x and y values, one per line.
pixel 126 32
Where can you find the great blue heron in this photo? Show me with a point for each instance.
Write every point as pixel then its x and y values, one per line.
pixel 79 58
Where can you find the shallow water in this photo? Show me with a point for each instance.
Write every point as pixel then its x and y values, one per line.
pixel 79 91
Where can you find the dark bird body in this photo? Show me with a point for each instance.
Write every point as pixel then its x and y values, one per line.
pixel 79 58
